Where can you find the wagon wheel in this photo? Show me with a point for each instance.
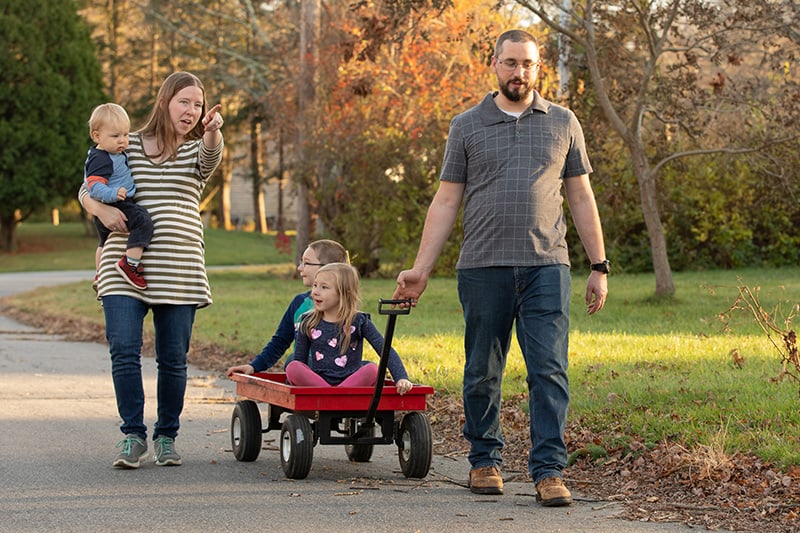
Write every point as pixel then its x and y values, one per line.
pixel 246 430
pixel 415 445
pixel 297 446
pixel 361 453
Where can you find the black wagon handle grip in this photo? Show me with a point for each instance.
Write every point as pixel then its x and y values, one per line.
pixel 394 307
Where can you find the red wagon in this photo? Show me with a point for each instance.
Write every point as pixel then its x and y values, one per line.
pixel 357 417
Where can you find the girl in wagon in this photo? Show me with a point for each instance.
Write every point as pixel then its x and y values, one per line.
pixel 333 334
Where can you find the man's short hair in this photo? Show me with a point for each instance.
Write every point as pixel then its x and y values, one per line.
pixel 515 36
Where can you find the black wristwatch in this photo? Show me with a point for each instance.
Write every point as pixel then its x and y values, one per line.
pixel 604 266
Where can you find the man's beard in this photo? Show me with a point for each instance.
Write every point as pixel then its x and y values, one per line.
pixel 516 95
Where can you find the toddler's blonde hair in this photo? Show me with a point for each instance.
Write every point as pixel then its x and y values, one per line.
pixel 108 115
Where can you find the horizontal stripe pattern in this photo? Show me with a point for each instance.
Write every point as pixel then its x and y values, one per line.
pixel 174 263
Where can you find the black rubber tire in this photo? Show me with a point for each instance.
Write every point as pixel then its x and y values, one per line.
pixel 297 446
pixel 415 445
pixel 246 431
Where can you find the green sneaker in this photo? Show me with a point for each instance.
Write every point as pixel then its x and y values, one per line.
pixel 133 449
pixel 165 454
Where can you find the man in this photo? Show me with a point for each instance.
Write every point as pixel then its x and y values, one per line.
pixel 508 158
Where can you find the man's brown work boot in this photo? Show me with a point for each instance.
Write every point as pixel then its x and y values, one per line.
pixel 485 480
pixel 551 492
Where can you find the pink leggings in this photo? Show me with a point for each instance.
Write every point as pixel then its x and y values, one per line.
pixel 301 374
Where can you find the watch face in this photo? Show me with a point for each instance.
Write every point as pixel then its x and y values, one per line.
pixel 603 267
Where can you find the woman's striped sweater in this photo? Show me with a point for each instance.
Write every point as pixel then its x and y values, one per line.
pixel 174 263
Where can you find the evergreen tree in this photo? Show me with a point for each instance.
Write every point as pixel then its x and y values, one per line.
pixel 49 82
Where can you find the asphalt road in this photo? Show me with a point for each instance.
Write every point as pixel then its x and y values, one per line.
pixel 60 427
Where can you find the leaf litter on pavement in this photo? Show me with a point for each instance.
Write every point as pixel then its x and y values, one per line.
pixel 700 487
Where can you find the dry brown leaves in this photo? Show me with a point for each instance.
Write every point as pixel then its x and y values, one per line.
pixel 699 487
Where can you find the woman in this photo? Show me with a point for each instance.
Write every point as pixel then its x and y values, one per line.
pixel 171 159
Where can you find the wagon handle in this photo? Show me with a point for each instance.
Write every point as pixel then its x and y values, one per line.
pixel 391 308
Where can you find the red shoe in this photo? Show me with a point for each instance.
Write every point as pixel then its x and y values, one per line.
pixel 134 276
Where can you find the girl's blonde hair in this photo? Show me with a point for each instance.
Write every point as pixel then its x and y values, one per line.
pixel 328 251
pixel 109 114
pixel 159 124
pixel 347 286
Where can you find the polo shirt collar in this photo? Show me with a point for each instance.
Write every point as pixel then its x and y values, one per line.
pixel 491 114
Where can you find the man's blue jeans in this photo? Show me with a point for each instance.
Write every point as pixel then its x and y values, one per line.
pixel 173 332
pixel 537 300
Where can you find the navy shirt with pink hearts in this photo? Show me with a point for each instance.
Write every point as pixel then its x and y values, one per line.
pixel 321 347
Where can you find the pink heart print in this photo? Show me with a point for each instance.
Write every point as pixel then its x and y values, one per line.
pixel 341 361
pixel 333 342
pixel 319 356
pixel 352 329
pixel 315 333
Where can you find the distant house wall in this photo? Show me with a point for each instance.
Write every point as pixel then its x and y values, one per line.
pixel 242 211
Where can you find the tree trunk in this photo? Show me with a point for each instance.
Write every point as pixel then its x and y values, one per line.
pixel 306 96
pixel 225 191
pixel 255 173
pixel 281 182
pixel 113 45
pixel 628 129
pixel 655 229
pixel 564 49
pixel 89 229
pixel 8 230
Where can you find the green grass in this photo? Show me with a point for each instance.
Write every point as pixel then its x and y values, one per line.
pixel 640 369
pixel 45 247
pixel 68 247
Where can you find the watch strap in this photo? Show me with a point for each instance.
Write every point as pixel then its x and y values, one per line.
pixel 604 266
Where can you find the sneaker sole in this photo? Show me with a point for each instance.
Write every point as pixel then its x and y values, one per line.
pixel 129 465
pixel 127 279
pixel 170 462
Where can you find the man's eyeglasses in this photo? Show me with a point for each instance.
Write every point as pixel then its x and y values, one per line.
pixel 511 65
pixel 307 264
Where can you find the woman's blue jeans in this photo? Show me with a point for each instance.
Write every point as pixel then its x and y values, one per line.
pixel 173 331
pixel 537 300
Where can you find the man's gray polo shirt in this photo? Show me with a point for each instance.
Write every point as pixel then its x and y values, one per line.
pixel 513 170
